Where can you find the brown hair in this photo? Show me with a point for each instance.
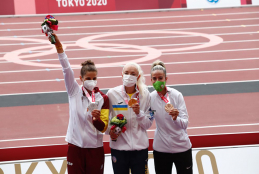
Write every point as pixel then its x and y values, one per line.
pixel 87 65
pixel 158 65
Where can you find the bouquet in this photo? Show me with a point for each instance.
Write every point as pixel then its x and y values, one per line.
pixel 118 124
pixel 48 25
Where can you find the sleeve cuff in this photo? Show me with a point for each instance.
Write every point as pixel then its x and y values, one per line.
pixel 99 124
pixel 174 121
pixel 140 114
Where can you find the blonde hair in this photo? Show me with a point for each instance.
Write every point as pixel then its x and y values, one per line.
pixel 141 81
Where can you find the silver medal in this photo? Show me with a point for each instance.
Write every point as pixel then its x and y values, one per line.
pixel 92 106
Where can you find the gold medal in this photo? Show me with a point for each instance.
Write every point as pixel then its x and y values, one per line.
pixel 168 107
pixel 132 102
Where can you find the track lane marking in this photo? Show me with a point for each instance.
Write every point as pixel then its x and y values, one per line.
pixel 149 130
pixel 186 84
pixel 175 29
pixel 141 18
pixel 167 63
pixel 142 24
pixel 107 77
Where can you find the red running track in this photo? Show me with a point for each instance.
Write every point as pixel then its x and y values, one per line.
pixel 215 120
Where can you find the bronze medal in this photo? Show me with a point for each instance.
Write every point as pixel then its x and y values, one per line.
pixel 168 107
pixel 132 102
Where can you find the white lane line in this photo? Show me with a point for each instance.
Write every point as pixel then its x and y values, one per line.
pixel 33 145
pixel 165 37
pixel 221 126
pixel 232 133
pixel 175 29
pixel 219 34
pixel 167 63
pixel 26 139
pixel 34 43
pixel 139 18
pixel 107 77
pixel 197 52
pixel 217 126
pixel 168 37
pixel 65 144
pixel 105 57
pixel 162 45
pixel 131 25
pixel 91 33
pixel 187 84
pixel 127 39
pixel 149 130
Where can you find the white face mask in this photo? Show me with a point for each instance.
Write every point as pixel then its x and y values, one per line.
pixel 129 80
pixel 90 84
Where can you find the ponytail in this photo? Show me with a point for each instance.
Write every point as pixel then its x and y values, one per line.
pixel 158 65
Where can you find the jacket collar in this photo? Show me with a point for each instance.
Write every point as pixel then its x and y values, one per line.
pixel 137 91
pixel 96 90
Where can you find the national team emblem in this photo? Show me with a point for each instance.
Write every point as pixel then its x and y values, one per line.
pixel 151 113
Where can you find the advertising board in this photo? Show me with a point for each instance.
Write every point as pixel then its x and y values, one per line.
pixel 212 3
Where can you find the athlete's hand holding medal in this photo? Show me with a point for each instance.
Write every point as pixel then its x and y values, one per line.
pixel 133 103
pixel 169 108
pixel 96 114
pixel 93 106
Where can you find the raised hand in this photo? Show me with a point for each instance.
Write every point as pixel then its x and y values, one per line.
pixel 57 44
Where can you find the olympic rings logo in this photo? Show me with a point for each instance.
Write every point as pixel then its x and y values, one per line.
pixel 90 43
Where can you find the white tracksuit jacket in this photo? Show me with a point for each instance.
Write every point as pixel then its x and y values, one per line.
pixel 135 137
pixel 170 135
pixel 82 130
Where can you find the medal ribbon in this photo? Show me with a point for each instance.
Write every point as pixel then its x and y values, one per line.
pixel 126 98
pixel 166 99
pixel 91 99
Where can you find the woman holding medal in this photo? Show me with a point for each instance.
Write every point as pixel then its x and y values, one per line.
pixel 171 142
pixel 88 117
pixel 129 150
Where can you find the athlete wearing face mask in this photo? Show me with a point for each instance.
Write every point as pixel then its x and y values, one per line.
pixel 171 142
pixel 130 150
pixel 129 80
pixel 88 117
pixel 90 84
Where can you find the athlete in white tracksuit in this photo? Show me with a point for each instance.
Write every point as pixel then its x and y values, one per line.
pixel 171 142
pixel 85 129
pixel 130 150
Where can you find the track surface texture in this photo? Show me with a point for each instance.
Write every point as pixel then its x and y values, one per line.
pixel 211 57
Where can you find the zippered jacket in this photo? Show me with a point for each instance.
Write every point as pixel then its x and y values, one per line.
pixel 82 130
pixel 170 135
pixel 135 137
